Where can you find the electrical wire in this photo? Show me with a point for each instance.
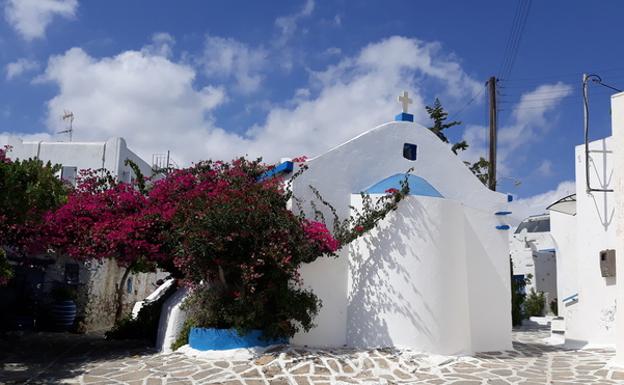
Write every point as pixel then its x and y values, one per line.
pixel 515 37
pixel 461 110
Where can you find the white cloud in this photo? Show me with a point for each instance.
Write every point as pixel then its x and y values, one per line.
pixel 153 102
pixel 162 45
pixel 545 168
pixel 225 58
pixel 531 118
pixel 288 24
pixel 537 204
pixel 30 18
pixel 19 67
pixel 144 97
pixel 331 51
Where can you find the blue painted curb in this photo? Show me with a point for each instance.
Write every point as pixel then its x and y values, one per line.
pixel 224 339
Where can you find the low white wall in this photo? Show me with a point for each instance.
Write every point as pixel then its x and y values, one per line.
pixel 489 283
pixel 408 283
pixel 563 230
pixel 433 276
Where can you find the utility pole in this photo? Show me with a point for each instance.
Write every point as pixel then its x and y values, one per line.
pixel 492 160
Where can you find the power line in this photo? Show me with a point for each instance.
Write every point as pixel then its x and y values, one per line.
pixel 455 115
pixel 515 37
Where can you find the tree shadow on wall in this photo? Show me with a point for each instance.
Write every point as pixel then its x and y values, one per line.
pixel 374 294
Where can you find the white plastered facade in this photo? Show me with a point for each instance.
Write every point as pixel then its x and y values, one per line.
pixel 434 275
pixel 591 317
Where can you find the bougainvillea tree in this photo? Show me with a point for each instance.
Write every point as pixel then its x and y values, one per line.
pixel 242 248
pixel 28 189
pixel 107 219
pixel 220 227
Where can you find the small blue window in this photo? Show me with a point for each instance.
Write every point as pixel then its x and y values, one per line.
pixel 409 151
pixel 129 285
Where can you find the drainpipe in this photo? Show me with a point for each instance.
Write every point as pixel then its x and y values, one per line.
pixel 586 79
pixel 103 155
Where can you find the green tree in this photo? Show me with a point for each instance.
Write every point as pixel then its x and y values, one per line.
pixel 28 189
pixel 439 116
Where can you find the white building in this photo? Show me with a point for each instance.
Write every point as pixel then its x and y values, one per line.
pixel 74 156
pixel 584 228
pixel 533 255
pixel 434 275
pixel 97 281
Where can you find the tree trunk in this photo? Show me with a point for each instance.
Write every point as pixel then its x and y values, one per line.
pixel 120 295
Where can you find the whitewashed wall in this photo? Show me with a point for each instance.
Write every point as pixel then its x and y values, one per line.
pixel 423 280
pixel 595 212
pixel 529 257
pixel 617 127
pixel 110 155
pixel 563 230
pixel 372 157
pixel 591 320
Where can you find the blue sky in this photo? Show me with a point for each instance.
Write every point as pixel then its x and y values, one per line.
pixel 286 78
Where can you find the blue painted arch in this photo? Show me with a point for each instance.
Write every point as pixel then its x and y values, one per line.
pixel 417 185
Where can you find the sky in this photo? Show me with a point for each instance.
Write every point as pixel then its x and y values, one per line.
pixel 277 79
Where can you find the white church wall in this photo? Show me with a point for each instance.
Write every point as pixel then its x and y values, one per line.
pixel 489 283
pixel 353 167
pixel 408 282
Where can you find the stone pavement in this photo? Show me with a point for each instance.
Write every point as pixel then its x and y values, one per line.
pixel 94 361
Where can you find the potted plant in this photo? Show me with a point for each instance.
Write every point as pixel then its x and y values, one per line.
pixel 64 307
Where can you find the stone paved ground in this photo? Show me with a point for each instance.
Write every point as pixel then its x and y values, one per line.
pixel 57 359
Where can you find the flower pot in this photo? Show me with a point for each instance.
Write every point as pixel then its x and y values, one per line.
pixel 64 314
pixel 224 339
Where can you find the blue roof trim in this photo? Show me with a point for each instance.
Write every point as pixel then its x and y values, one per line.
pixel 417 185
pixel 282 168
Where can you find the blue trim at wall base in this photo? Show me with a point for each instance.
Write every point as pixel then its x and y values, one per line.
pixel 225 339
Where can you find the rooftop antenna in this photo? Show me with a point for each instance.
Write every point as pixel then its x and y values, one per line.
pixel 68 115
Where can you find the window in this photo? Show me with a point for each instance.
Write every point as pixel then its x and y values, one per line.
pixel 409 151
pixel 68 174
pixel 129 285
pixel 72 276
pixel 534 226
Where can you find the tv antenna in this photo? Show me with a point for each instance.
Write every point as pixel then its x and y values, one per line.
pixel 68 116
